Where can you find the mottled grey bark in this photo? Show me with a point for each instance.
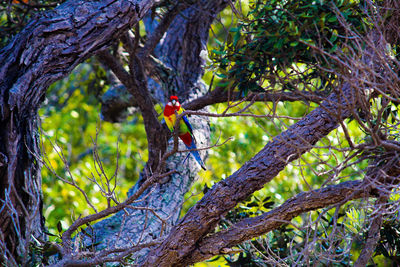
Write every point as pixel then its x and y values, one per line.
pixel 47 49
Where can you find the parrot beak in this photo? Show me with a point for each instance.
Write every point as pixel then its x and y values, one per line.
pixel 173 102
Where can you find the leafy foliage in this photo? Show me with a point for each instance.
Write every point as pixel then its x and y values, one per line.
pixel 276 34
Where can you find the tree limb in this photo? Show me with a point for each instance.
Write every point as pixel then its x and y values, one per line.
pixel 136 83
pixel 221 95
pixel 255 226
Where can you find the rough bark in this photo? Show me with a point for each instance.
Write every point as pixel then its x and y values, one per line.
pixel 47 49
pixel 220 242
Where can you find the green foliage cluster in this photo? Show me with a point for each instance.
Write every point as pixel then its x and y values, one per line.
pixel 276 34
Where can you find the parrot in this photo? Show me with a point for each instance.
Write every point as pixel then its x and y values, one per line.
pixel 185 132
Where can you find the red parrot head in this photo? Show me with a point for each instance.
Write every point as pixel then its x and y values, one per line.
pixel 174 100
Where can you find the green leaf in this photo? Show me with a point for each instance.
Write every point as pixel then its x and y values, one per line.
pixel 48 233
pixel 334 36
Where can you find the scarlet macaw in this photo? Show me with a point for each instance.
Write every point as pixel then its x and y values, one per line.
pixel 185 132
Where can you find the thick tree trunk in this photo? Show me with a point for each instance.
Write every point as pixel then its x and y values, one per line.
pixel 47 50
pixel 20 190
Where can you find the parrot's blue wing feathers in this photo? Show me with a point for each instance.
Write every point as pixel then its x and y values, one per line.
pixel 185 119
pixel 196 155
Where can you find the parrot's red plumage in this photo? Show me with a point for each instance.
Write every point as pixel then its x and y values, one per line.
pixel 185 132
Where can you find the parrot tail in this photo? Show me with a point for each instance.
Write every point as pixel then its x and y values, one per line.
pixel 196 155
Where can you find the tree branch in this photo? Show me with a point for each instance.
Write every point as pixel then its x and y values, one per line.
pixel 373 234
pixel 222 95
pixel 252 227
pixel 157 135
pixel 106 58
pixel 136 84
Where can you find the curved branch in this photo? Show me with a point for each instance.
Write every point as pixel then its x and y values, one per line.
pixel 136 83
pixel 373 235
pixel 252 227
pixel 157 135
